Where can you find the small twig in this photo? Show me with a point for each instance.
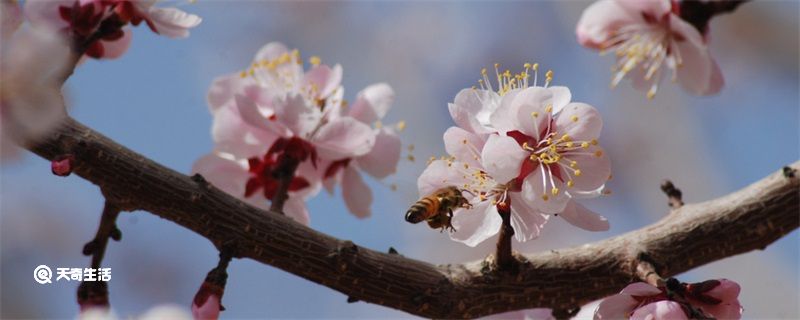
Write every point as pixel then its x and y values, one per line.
pixel 674 194
pixel 284 175
pixel 504 256
pixel 107 229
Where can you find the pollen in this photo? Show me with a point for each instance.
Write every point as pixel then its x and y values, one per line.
pixel 574 118
pixel 594 142
pixel 411 158
pixel 378 124
pixel 569 144
pixel 549 108
pixel 578 172
pixel 243 74
pixel 570 184
pixel 598 153
pixel 545 197
pixel 314 61
pixel 573 164
pixel 554 191
pixel 534 114
pixel 584 145
pixel 401 125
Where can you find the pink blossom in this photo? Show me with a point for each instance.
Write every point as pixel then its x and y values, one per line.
pixel 647 36
pixel 63 165
pixel 274 111
pixel 371 106
pixel 83 19
pixel 713 298
pixel 32 63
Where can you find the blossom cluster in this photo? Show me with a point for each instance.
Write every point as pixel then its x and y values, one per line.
pixel 276 119
pixel 712 299
pixel 524 146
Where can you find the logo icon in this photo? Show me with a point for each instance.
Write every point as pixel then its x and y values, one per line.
pixel 42 274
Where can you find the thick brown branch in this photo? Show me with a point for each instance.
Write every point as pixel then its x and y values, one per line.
pixel 690 236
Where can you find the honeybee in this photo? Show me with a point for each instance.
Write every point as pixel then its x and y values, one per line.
pixel 437 208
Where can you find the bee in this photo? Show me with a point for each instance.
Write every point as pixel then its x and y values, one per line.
pixel 437 208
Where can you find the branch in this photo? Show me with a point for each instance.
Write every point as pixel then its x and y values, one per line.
pixel 690 236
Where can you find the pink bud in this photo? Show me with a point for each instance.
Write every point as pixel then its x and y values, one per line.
pixel 62 165
pixel 207 301
pixel 93 295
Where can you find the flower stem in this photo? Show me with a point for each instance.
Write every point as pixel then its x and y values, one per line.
pixel 284 175
pixel 505 259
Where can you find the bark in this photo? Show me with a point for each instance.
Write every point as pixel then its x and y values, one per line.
pixel 688 237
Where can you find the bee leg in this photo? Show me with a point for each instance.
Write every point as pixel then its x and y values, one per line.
pixel 449 225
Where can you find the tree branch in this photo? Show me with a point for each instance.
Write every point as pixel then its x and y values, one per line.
pixel 691 236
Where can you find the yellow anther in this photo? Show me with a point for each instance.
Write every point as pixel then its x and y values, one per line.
pixel 411 158
pixel 578 172
pixel 410 147
pixel 466 166
pixel 527 65
pixel 570 184
pixel 594 142
pixel 464 141
pixel 566 137
pixel 252 72
pixel 532 157
pixel 610 177
pixel 651 94
pixel 574 118
pixel 401 125
pixel 545 197
pixel 243 74
pixel 584 145
pixel 554 191
pixel 573 164
pixel 483 72
pixel 534 114
pixel 314 60
pixel 525 145
pixel 535 67
pixel 598 153
pixel 549 74
pixel 569 144
pixel 393 187
pixel 496 65
pixel 378 124
pixel 549 108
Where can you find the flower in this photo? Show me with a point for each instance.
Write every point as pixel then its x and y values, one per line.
pixel 646 36
pixel 528 314
pixel 712 298
pixel 274 115
pixel 32 64
pixel 207 302
pixel 97 25
pixel 371 106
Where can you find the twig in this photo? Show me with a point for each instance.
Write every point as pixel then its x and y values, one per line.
pixel 749 219
pixel 648 273
pixel 107 229
pixel 505 258
pixel 674 194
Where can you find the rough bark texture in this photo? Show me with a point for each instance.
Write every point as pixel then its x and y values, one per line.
pixel 688 237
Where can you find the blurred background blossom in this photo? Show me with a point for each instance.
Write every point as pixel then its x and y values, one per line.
pixel 152 100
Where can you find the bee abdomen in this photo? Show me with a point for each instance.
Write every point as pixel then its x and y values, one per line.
pixel 420 211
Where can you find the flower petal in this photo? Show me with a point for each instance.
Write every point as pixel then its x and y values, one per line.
pixel 594 166
pixel 502 158
pixel 372 103
pixel 223 172
pixel 537 188
pixel 295 208
pixel 222 90
pixel 467 104
pixel 476 224
pixel 615 307
pixel 526 221
pixel 640 289
pixel 577 215
pixel 172 22
pixel 661 310
pixel 251 113
pixel 439 174
pixel 503 119
pixel 342 138
pixel 382 160
pixel 232 135
pixel 696 67
pixel 530 108
pixel 599 22
pixel 580 121
pixel 465 146
pixel 10 19
pixel 561 97
pixel 324 79
pixel 357 195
